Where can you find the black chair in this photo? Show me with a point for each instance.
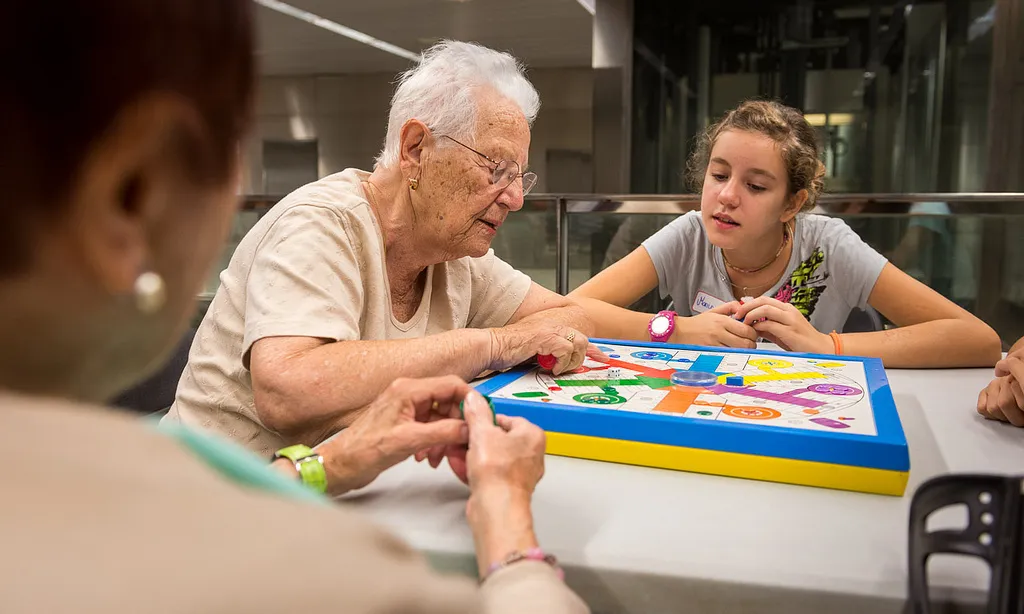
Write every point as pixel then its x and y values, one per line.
pixel 994 533
pixel 863 321
pixel 156 393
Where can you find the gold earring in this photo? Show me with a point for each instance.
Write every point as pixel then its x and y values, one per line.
pixel 150 292
pixel 414 183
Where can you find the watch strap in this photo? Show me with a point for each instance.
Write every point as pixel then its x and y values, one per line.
pixel 665 336
pixel 309 465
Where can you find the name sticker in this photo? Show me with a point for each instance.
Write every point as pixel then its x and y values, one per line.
pixel 705 302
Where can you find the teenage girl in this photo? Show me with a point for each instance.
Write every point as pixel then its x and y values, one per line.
pixel 751 265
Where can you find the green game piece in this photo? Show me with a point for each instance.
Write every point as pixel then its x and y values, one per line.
pixel 594 398
pixel 703 412
pixel 529 395
pixel 494 414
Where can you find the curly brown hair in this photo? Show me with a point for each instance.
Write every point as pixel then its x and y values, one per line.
pixel 784 125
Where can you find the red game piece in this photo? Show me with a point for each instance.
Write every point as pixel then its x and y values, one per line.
pixel 546 361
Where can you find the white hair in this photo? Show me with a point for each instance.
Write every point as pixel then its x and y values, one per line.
pixel 442 92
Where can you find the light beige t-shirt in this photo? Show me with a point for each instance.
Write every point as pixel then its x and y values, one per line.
pixel 116 517
pixel 314 267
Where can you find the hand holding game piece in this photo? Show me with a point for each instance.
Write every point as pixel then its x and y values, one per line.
pixel 1003 398
pixel 505 463
pixel 462 410
pixel 717 327
pixel 546 361
pixel 783 325
pixel 509 456
pixel 409 417
pixel 535 336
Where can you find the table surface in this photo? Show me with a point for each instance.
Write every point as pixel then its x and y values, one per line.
pixel 616 520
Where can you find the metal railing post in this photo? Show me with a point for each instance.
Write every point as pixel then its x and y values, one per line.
pixel 562 246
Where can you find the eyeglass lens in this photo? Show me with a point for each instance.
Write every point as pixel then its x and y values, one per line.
pixel 508 171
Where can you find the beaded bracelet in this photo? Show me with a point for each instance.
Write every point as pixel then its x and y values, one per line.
pixel 533 554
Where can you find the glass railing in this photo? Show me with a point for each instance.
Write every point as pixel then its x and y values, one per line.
pixel 968 247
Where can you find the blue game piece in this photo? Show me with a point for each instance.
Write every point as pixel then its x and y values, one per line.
pixel 734 380
pixel 697 379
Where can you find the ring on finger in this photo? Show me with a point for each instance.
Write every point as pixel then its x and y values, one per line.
pixel 571 336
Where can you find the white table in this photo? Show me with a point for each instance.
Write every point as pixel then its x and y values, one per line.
pixel 636 539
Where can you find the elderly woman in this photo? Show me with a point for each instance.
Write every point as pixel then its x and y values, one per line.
pixel 359 278
pixel 119 182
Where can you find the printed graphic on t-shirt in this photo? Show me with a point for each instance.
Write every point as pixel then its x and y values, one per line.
pixel 805 285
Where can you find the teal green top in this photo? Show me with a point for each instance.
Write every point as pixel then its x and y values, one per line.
pixel 239 465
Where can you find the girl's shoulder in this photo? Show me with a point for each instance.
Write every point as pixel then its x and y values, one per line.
pixel 822 230
pixel 689 222
pixel 680 235
pixel 684 227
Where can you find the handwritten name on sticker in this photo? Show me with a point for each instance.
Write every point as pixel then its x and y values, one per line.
pixel 705 302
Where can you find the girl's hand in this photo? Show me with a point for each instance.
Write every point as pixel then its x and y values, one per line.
pixel 784 326
pixel 717 327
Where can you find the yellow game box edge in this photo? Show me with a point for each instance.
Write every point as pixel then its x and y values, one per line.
pixel 732 464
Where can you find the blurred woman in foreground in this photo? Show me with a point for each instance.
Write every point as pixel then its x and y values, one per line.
pixel 118 166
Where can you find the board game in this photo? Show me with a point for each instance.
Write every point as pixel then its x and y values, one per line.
pixel 798 418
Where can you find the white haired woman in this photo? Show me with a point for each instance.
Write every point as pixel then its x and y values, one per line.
pixel 359 278
pixel 114 209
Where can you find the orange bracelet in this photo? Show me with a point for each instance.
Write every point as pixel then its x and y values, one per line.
pixel 837 343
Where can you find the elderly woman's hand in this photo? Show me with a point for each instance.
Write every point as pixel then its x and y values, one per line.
pixel 505 463
pixel 409 416
pixel 535 336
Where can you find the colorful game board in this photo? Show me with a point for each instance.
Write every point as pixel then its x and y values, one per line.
pixel 799 418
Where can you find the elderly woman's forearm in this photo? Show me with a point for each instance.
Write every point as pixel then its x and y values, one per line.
pixel 332 381
pixel 571 315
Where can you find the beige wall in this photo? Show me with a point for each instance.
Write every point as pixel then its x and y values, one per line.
pixel 347 114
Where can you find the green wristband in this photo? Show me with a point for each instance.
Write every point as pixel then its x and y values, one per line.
pixel 308 463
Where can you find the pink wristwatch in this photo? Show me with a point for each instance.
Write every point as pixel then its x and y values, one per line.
pixel 662 325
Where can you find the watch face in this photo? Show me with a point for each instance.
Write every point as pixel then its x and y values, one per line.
pixel 659 325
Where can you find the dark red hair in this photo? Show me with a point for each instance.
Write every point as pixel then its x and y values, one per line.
pixel 69 67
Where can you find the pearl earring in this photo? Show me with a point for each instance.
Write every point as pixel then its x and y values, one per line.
pixel 150 292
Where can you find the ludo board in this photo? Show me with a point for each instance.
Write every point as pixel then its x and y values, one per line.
pixel 799 418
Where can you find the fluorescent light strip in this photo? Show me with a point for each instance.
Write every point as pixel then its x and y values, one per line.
pixel 589 5
pixel 337 28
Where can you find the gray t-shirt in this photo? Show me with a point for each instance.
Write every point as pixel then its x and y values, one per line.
pixel 830 272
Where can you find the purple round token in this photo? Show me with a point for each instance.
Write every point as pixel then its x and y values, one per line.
pixel 838 390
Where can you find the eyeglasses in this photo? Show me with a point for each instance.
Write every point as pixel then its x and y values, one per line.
pixel 504 171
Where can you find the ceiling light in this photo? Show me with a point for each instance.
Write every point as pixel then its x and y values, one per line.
pixel 337 28
pixel 832 119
